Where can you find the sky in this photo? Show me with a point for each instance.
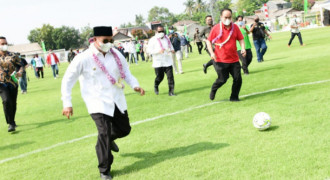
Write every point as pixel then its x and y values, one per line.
pixel 19 17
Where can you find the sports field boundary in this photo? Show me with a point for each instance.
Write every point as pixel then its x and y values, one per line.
pixel 155 118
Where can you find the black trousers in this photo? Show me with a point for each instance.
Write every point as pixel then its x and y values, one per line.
pixel 126 54
pixel 246 61
pixel 223 70
pixel 190 47
pixel 40 70
pixel 8 93
pixel 293 35
pixel 142 56
pixel 109 129
pixel 200 47
pixel 160 73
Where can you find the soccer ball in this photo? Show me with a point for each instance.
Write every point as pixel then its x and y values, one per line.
pixel 261 121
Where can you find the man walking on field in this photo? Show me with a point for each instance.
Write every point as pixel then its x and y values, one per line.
pixel 226 61
pixel 101 70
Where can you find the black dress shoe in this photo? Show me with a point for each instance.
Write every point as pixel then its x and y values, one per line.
pixel 204 68
pixel 113 146
pixel 105 177
pixel 11 128
pixel 212 95
pixel 156 91
pixel 171 94
pixel 234 99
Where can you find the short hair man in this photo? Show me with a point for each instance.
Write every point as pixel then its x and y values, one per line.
pixel 8 82
pixel 161 49
pixel 294 24
pixel 258 30
pixel 225 56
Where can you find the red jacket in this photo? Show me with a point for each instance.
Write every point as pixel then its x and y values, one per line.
pixel 49 59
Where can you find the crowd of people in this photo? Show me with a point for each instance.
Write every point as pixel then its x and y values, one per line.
pixel 105 66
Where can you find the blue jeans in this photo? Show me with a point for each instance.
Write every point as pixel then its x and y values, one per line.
pixel 261 48
pixel 22 82
pixel 55 70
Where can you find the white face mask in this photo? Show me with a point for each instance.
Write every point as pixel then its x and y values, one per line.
pixel 160 35
pixel 4 48
pixel 227 22
pixel 106 47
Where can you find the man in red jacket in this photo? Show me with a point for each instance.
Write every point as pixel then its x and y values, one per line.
pixel 226 61
pixel 52 60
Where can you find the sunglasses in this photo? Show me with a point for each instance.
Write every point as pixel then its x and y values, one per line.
pixel 161 31
pixel 107 40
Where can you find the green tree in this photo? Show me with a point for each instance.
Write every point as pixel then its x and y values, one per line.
pixel 200 6
pixel 139 20
pixel 44 33
pixel 298 5
pixel 66 37
pixel 161 14
pixel 85 33
pixel 189 7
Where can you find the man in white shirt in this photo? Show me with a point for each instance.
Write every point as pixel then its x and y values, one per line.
pixel 100 70
pixel 295 30
pixel 161 49
pixel 39 66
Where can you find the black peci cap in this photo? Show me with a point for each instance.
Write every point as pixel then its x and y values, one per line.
pixel 102 31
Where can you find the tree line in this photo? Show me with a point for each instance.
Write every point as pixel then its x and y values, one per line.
pixel 68 37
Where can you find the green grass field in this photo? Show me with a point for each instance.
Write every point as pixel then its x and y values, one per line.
pixel 199 140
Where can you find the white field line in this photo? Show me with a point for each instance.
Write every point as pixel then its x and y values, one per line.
pixel 153 119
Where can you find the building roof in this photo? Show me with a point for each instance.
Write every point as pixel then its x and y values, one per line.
pixel 25 48
pixel 120 37
pixel 184 22
pixel 278 2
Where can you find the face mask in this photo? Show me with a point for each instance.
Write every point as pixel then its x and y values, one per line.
pixel 4 48
pixel 106 47
pixel 160 35
pixel 171 31
pixel 227 22
pixel 241 23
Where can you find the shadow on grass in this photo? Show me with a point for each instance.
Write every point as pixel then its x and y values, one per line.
pixel 272 128
pixel 149 159
pixel 273 93
pixel 194 70
pixel 194 89
pixel 265 69
pixel 48 123
pixel 15 146
pixel 274 59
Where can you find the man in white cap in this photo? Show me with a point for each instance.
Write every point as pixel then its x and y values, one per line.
pixel 101 70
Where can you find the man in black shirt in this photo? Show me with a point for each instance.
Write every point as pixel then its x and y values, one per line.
pixel 205 34
pixel 258 33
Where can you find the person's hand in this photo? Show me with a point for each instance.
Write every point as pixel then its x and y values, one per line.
pixel 243 52
pixel 18 74
pixel 139 90
pixel 68 111
pixel 213 56
pixel 270 37
pixel 173 51
pixel 162 51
